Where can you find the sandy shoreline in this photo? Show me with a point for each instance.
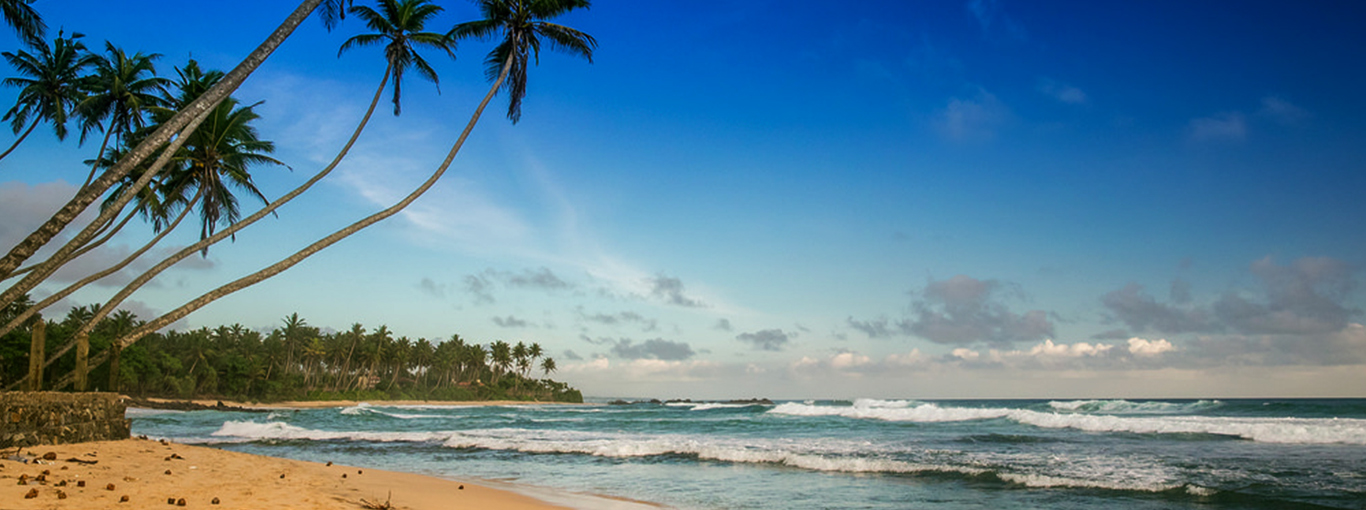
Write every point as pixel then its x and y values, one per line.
pixel 150 473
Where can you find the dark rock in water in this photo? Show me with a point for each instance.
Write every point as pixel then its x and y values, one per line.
pixel 656 401
pixel 181 405
pixel 618 403
pixel 751 402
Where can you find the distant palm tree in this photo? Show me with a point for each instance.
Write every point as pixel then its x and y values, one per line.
pixel 523 26
pixel 25 21
pixel 500 353
pixel 122 92
pixel 400 22
pixel 50 87
pixel 548 365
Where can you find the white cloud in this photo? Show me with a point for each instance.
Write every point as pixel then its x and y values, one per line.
pixel 1076 350
pixel 1224 127
pixel 972 119
pixel 1282 111
pixel 1062 92
pixel 966 354
pixel 1141 347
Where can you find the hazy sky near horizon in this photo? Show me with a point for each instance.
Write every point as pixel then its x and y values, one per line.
pixel 983 198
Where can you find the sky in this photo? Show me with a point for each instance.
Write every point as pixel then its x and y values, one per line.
pixel 802 199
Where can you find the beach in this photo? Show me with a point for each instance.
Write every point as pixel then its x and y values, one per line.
pixel 152 473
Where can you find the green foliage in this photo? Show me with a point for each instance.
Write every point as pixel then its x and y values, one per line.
pixel 293 362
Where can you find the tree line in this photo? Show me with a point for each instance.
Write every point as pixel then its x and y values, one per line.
pixel 295 361
pixel 172 147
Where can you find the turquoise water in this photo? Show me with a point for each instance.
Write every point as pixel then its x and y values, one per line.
pixel 876 454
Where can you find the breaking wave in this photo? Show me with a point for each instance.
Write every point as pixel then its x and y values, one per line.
pixel 1266 430
pixel 1130 407
pixel 820 455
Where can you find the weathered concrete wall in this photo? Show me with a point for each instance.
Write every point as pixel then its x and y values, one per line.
pixel 46 417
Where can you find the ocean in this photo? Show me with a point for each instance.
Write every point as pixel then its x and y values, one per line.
pixel 874 454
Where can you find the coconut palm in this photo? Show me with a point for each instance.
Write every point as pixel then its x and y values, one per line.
pixel 122 92
pixel 50 85
pixel 194 83
pixel 522 23
pixel 25 21
pixel 166 133
pixel 216 157
pixel 522 26
pixel 400 23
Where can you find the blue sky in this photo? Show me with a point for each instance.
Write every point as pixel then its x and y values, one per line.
pixel 805 199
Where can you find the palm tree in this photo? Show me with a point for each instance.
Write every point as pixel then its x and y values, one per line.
pixel 166 133
pixel 548 365
pixel 400 22
pixel 194 84
pixel 522 25
pixel 122 92
pixel 25 21
pixel 500 353
pixel 216 156
pixel 50 87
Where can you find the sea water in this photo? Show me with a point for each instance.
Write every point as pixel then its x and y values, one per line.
pixel 878 454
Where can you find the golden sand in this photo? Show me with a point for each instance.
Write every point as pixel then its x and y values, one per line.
pixel 141 474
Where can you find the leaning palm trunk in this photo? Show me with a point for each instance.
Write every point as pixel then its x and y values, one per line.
pixel 45 269
pixel 278 267
pixel 21 139
pixel 196 109
pixel 87 248
pixel 94 167
pixel 50 300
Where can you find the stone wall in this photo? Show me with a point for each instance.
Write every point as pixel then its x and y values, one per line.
pixel 47 417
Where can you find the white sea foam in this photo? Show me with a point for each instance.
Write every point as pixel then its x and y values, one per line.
pixel 275 430
pixel 364 408
pixel 708 407
pixel 1266 430
pixel 1130 407
pixel 892 411
pixel 826 455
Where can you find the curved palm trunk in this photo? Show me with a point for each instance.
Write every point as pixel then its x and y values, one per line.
pixel 21 139
pixel 50 300
pixel 196 109
pixel 99 155
pixel 206 242
pixel 87 248
pixel 45 269
pixel 317 246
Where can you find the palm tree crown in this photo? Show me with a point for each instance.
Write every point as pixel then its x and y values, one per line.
pixel 217 156
pixel 24 20
pixel 123 89
pixel 50 87
pixel 523 25
pixel 400 23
